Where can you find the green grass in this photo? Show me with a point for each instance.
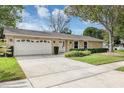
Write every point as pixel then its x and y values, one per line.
pixel 120 69
pixel 10 70
pixel 119 51
pixel 98 59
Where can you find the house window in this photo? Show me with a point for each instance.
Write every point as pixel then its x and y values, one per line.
pixel 54 42
pixel 37 41
pixel 70 42
pixel 17 40
pixel 85 45
pixel 76 44
pixel 45 41
pixel 32 41
pixel 23 40
pixel 63 44
pixel 41 40
pixel 28 40
pixel 10 40
pixel 60 41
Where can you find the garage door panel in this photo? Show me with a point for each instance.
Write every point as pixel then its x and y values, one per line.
pixel 32 48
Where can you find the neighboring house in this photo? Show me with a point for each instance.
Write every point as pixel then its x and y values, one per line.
pixel 29 42
pixel 120 46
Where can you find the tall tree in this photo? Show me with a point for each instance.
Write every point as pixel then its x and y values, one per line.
pixel 66 31
pixel 9 15
pixel 59 22
pixel 93 32
pixel 119 32
pixel 107 16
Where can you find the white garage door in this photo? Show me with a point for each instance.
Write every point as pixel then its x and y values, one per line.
pixel 32 47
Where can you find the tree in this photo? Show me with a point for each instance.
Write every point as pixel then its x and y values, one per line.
pixel 108 16
pixel 9 15
pixel 59 22
pixel 119 32
pixel 66 31
pixel 93 32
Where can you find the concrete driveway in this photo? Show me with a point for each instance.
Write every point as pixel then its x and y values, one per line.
pixel 57 71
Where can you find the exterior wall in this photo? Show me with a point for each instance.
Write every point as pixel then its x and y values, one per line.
pixel 54 43
pixel 59 43
pixel 9 40
pixel 93 44
pixel 81 44
pixel 70 44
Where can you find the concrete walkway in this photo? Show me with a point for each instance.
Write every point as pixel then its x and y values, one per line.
pixel 16 84
pixel 57 71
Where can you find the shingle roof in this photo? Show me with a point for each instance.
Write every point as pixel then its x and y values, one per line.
pixel 22 32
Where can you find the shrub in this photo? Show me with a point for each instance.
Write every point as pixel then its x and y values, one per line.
pixel 75 49
pixel 86 52
pixel 93 50
pixel 98 50
pixel 77 53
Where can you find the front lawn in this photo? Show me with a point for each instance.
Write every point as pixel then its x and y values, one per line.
pixel 120 69
pixel 120 52
pixel 10 70
pixel 98 59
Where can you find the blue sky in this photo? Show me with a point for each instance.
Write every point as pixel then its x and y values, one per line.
pixel 36 18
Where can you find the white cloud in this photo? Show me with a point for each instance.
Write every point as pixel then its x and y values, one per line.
pixel 25 14
pixel 30 26
pixel 35 23
pixel 60 12
pixel 30 22
pixel 42 11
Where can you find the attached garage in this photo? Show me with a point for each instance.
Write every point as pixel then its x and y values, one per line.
pixel 32 47
pixel 31 42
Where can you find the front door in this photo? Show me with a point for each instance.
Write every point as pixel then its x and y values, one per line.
pixel 76 44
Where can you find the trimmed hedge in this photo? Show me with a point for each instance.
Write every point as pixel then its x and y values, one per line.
pixel 93 50
pixel 77 53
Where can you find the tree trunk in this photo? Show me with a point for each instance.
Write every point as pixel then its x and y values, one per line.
pixel 111 41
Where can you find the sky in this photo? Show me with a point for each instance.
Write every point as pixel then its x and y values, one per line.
pixel 36 18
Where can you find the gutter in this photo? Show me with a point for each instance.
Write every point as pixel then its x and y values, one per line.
pixel 50 37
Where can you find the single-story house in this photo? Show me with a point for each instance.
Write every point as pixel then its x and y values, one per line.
pixel 30 42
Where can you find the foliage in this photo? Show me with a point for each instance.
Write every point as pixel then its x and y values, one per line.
pixel 119 31
pixel 93 50
pixel 117 40
pixel 77 53
pixel 93 32
pixel 66 31
pixel 9 16
pixel 108 16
